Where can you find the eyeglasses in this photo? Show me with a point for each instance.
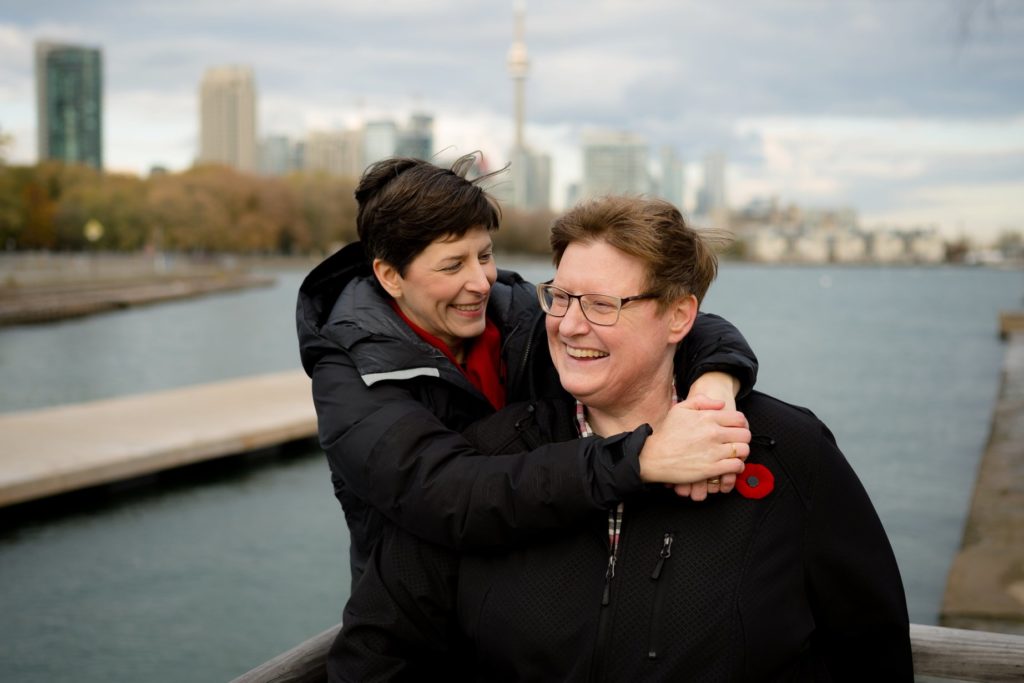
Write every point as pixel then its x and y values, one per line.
pixel 600 309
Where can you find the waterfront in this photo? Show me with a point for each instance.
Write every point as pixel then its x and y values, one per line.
pixel 222 568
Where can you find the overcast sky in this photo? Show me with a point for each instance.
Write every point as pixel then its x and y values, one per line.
pixel 910 111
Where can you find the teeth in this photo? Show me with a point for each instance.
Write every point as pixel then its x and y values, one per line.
pixel 466 307
pixel 585 353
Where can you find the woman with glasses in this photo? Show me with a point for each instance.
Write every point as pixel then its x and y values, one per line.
pixel 790 577
pixel 411 334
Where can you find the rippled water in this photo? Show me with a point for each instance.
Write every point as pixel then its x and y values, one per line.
pixel 205 573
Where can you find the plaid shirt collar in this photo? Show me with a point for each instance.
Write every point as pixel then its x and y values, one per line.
pixel 615 514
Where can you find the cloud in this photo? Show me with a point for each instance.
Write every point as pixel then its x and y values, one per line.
pixel 972 211
pixel 842 103
pixel 942 172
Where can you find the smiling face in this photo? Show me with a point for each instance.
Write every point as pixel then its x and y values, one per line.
pixel 446 287
pixel 625 368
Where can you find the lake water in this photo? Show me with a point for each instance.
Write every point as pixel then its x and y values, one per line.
pixel 208 572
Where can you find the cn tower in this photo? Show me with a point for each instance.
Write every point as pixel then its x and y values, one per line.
pixel 518 66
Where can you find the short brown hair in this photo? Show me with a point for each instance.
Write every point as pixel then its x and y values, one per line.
pixel 679 259
pixel 405 204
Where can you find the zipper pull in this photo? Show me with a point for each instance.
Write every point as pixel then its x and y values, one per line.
pixel 519 425
pixel 663 554
pixel 608 574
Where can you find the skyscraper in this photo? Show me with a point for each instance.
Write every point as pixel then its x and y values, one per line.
pixel 711 197
pixel 518 67
pixel 417 139
pixel 69 98
pixel 338 153
pixel 380 140
pixel 227 118
pixel 279 155
pixel 672 186
pixel 614 163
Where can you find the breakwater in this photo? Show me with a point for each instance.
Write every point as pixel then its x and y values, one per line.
pixel 985 588
pixel 38 288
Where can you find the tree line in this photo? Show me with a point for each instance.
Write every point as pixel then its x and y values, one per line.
pixel 206 209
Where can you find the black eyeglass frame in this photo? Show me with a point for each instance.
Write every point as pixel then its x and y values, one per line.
pixel 622 301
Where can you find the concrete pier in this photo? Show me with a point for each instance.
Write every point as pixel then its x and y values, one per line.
pixel 40 304
pixel 985 589
pixel 55 450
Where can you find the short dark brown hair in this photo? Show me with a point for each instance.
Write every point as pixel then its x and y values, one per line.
pixel 405 204
pixel 679 259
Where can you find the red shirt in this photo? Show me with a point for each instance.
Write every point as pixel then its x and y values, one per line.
pixel 482 365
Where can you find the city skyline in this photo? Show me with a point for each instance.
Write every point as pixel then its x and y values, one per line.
pixel 912 113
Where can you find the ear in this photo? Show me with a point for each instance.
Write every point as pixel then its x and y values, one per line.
pixel 682 312
pixel 388 277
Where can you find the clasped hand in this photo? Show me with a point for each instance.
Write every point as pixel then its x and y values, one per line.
pixel 698 440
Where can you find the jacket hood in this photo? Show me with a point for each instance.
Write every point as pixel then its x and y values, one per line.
pixel 319 292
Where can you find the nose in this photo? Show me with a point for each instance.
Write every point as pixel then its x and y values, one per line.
pixel 574 322
pixel 478 281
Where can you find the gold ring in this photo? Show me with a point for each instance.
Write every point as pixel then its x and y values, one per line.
pixel 734 450
pixel 716 481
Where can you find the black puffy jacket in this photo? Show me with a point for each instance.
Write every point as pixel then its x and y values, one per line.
pixel 798 585
pixel 390 406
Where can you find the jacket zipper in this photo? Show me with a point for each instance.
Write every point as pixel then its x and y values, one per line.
pixel 664 553
pixel 604 621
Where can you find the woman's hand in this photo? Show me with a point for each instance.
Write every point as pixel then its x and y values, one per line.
pixel 696 441
pixel 718 386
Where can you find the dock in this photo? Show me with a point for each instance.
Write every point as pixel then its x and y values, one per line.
pixel 47 303
pixel 985 587
pixel 56 450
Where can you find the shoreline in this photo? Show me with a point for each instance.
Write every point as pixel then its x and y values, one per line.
pixel 46 287
pixel 985 585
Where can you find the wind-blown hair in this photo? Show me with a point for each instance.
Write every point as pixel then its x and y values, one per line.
pixel 679 259
pixel 405 204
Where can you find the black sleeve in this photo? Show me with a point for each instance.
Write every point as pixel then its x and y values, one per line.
pixel 399 623
pixel 860 609
pixel 714 344
pixel 397 456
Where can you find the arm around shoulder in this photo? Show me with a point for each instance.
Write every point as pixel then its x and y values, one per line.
pixel 398 457
pixel 714 344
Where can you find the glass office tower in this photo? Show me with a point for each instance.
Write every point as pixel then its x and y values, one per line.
pixel 69 89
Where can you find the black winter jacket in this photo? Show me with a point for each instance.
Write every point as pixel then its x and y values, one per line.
pixel 390 406
pixel 800 585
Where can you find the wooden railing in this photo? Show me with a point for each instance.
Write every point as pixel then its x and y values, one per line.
pixel 939 652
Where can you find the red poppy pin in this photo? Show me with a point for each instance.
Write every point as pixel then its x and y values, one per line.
pixel 756 481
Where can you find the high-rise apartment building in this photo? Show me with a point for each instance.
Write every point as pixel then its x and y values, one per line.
pixel 417 139
pixel 614 163
pixel 531 179
pixel 279 155
pixel 69 99
pixel 711 198
pixel 380 140
pixel 672 184
pixel 338 153
pixel 227 118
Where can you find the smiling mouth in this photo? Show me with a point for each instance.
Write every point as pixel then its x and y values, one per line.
pixel 585 353
pixel 468 308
